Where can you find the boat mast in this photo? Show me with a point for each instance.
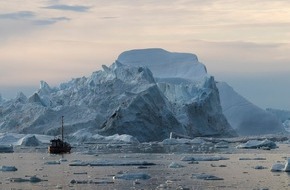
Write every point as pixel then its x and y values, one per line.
pixel 62 128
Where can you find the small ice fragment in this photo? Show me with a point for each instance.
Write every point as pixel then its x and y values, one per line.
pixel 132 176
pixel 203 158
pixel 63 160
pixel 8 168
pixel 206 177
pixel 34 179
pixel 278 167
pixel 52 162
pixel 175 165
pixel 260 167
pixel 287 166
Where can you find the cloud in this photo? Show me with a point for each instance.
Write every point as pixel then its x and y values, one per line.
pixel 18 15
pixel 76 8
pixel 109 17
pixel 50 21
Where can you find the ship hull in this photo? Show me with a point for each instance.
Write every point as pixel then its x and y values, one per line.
pixel 59 150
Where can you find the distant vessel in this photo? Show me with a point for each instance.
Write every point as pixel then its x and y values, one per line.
pixel 58 146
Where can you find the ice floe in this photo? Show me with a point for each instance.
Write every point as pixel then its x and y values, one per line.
pixel 52 162
pixel 132 176
pixel 260 167
pixel 173 141
pixel 254 144
pixel 204 176
pixel 90 182
pixel 6 149
pixel 8 168
pixel 111 163
pixel 175 165
pixel 278 167
pixel 32 179
pixel 203 158
pixel 256 158
pixel 281 167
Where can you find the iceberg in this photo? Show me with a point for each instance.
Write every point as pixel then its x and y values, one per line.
pixel 245 117
pixel 147 94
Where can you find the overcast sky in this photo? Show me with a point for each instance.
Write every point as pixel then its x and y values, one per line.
pixel 245 43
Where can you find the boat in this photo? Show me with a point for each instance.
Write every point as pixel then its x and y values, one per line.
pixel 59 146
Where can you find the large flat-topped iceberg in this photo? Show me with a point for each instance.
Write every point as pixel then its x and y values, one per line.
pixel 191 92
pixel 164 64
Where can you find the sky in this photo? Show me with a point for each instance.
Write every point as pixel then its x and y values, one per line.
pixel 244 43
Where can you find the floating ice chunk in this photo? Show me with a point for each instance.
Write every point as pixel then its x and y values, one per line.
pixel 132 176
pixel 221 166
pixel 175 165
pixel 222 145
pixel 173 141
pixel 6 149
pixel 78 163
pixel 112 163
pixel 203 158
pixel 258 144
pixel 63 160
pixel 8 168
pixel 53 162
pixel 80 173
pixel 29 140
pixel 32 179
pixel 206 177
pixel 278 167
pixel 258 158
pixel 287 166
pixel 260 167
pixel 18 180
pixel 90 182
